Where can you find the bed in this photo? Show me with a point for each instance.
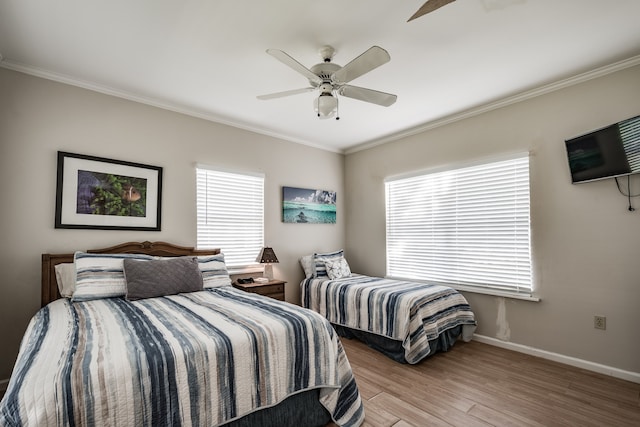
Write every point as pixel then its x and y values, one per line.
pixel 407 321
pixel 206 356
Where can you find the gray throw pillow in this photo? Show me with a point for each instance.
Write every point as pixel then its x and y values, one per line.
pixel 148 279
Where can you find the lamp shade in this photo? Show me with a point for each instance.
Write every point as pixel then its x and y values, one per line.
pixel 267 256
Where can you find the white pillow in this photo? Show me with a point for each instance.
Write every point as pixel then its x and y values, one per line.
pixel 66 278
pixel 337 268
pixel 308 265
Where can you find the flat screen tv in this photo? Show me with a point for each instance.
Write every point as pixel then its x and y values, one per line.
pixel 605 153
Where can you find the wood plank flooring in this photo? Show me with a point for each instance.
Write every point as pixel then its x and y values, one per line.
pixel 476 384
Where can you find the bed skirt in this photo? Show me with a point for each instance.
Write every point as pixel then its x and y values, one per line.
pixel 393 348
pixel 302 409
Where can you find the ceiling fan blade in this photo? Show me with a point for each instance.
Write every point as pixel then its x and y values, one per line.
pixel 285 93
pixel 295 65
pixel 429 7
pixel 372 58
pixel 368 95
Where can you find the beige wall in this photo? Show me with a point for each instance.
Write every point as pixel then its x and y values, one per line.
pixel 586 245
pixel 39 117
pixel 585 242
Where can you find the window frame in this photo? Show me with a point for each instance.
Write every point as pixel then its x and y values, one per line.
pixel 519 292
pixel 251 210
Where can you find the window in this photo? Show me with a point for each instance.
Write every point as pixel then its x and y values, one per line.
pixel 230 210
pixel 467 228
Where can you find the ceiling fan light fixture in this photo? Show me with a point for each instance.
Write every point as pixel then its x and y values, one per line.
pixel 331 79
pixel 325 106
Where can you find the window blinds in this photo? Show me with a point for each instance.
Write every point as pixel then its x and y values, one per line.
pixel 630 135
pixel 230 211
pixel 467 227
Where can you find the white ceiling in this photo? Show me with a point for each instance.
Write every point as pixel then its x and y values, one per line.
pixel 207 58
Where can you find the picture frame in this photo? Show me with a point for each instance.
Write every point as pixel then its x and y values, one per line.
pixel 308 206
pixel 106 194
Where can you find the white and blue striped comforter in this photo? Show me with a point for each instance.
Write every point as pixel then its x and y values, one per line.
pixel 197 359
pixel 410 312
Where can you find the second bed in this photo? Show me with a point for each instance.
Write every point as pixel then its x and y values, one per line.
pixel 407 321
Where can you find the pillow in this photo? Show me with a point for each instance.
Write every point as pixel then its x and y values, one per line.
pixel 66 278
pixel 319 259
pixel 159 277
pixel 214 271
pixel 337 268
pixel 308 266
pixel 101 275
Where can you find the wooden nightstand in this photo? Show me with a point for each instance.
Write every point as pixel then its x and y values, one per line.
pixel 273 289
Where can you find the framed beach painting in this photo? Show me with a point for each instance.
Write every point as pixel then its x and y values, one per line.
pixel 106 194
pixel 308 206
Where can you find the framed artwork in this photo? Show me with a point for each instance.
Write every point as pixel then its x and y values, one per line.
pixel 106 194
pixel 307 206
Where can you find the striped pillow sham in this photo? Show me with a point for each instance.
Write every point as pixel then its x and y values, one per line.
pixel 319 259
pixel 102 275
pixel 214 271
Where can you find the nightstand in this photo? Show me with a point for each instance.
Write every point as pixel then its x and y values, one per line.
pixel 273 289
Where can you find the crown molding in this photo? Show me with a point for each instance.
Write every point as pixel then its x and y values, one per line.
pixel 510 100
pixel 154 102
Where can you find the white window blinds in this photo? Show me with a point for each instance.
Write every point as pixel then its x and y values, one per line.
pixel 630 135
pixel 468 227
pixel 230 210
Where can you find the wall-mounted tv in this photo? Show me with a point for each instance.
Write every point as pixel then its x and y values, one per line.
pixel 605 153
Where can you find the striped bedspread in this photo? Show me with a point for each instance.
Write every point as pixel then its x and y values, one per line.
pixel 410 312
pixel 197 359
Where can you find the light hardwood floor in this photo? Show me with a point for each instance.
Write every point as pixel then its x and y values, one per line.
pixel 476 384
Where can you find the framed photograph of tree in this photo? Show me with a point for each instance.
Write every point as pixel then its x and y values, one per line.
pixel 106 194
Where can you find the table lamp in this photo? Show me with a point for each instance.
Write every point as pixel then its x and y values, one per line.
pixel 267 256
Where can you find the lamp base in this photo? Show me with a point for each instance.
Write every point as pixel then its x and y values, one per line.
pixel 268 271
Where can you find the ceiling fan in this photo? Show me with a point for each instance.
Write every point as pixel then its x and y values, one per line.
pixel 331 79
pixel 489 5
pixel 428 7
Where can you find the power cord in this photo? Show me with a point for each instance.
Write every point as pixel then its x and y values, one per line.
pixel 628 195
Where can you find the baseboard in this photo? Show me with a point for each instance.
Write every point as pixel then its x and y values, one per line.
pixel 567 360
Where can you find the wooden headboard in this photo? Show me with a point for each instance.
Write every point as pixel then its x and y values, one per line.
pixel 49 261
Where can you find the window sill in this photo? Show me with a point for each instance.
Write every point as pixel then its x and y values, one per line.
pixel 471 289
pixel 495 293
pixel 245 270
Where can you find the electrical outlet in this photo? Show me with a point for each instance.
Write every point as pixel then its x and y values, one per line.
pixel 600 322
